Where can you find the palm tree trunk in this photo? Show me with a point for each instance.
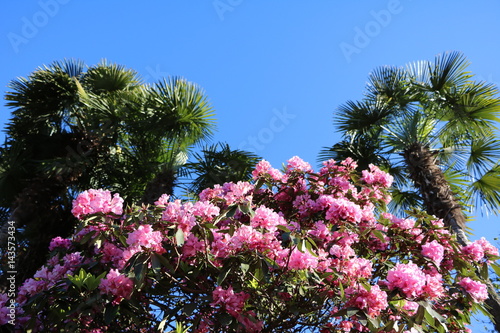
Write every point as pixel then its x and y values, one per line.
pixel 440 201
pixel 163 183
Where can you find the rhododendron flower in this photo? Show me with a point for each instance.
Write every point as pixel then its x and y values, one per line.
pixel 117 285
pixel 302 260
pixel 409 278
pixel 192 246
pixel 411 307
pixel 97 201
pixel 377 177
pixel 59 242
pixel 297 164
pixel 477 250
pixel 266 218
pixel 231 301
pixel 264 168
pixel 434 286
pixel 373 301
pixel 147 238
pixel 343 209
pixel 206 210
pixel 477 290
pixel 434 251
pixel 404 224
pixel 162 200
pixel 111 253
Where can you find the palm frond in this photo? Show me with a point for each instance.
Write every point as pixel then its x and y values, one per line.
pixel 107 78
pixel 183 107
pixel 485 191
pixel 72 67
pixel 355 118
pixel 408 130
pixel 483 154
pixel 403 200
pixel 389 85
pixel 448 70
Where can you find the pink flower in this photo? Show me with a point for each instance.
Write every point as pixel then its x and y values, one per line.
pixel 479 249
pixel 192 246
pixel 97 201
pixel 111 253
pixel 373 300
pixel 302 260
pixel 434 286
pixel 162 200
pixel 377 177
pixel 343 209
pixel 404 224
pixel 434 251
pixel 117 285
pixel 147 238
pixel 206 210
pixel 357 268
pixel 411 307
pixel 59 242
pixel 474 251
pixel 475 289
pixel 409 278
pixel 264 168
pixel 231 301
pixel 267 219
pixel 297 164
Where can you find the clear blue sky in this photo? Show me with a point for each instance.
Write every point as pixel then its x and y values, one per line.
pixel 275 71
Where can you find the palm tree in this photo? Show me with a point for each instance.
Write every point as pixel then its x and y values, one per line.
pixel 74 128
pixel 433 127
pixel 219 164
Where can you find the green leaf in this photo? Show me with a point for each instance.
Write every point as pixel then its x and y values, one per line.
pixel 179 237
pixel 244 268
pixel 484 272
pixel 223 274
pixel 379 235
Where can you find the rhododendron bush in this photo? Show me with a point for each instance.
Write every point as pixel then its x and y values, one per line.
pixel 292 251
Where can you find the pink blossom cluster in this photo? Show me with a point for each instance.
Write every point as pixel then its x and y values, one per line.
pixel 59 242
pixel 477 290
pixel 287 241
pixel 117 285
pixel 231 301
pixel 413 282
pixel 479 250
pixel 263 169
pixel 375 176
pixel 434 251
pixel 97 201
pixel 372 299
pixel 145 237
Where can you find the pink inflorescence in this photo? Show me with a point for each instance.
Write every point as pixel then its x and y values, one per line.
pixel 97 201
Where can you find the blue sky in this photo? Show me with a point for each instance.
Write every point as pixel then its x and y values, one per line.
pixel 275 72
